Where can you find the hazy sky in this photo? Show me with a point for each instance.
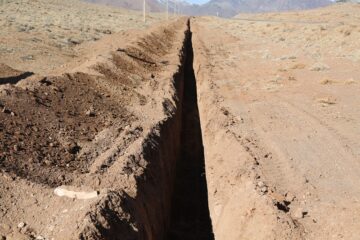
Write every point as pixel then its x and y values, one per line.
pixel 197 1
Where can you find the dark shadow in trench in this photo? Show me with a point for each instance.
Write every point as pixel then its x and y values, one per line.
pixel 15 79
pixel 190 217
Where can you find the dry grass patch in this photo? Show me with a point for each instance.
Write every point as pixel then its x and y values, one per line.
pixel 327 81
pixel 299 66
pixel 350 81
pixel 325 101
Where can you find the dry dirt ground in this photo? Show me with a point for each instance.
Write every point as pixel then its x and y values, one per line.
pixel 200 128
pixel 290 84
pixel 42 36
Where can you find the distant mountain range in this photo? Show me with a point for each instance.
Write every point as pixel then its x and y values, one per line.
pixel 151 5
pixel 223 8
pixel 230 8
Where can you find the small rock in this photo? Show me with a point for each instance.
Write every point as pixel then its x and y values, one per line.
pixel 21 225
pixel 90 112
pixel 289 197
pixel 107 31
pixel 5 110
pixel 47 162
pixel 16 148
pixel 39 238
pixel 305 180
pixel 73 148
pixel 74 41
pixel 264 189
pixel 24 229
pixel 260 184
pixel 28 57
pixel 300 213
pixel 61 177
pixel 347 33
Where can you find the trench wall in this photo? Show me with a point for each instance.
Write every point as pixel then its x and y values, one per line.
pixel 147 215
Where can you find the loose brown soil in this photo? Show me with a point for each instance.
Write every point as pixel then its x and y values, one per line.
pixel 44 129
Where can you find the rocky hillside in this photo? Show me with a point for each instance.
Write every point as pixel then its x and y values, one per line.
pixel 152 5
pixel 223 8
pixel 229 8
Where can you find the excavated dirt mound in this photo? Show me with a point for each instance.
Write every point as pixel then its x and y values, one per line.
pixel 85 144
pixel 44 129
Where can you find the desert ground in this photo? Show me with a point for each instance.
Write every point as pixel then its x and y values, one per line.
pixel 191 128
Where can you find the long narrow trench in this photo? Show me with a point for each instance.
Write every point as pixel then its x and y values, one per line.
pixel 190 218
